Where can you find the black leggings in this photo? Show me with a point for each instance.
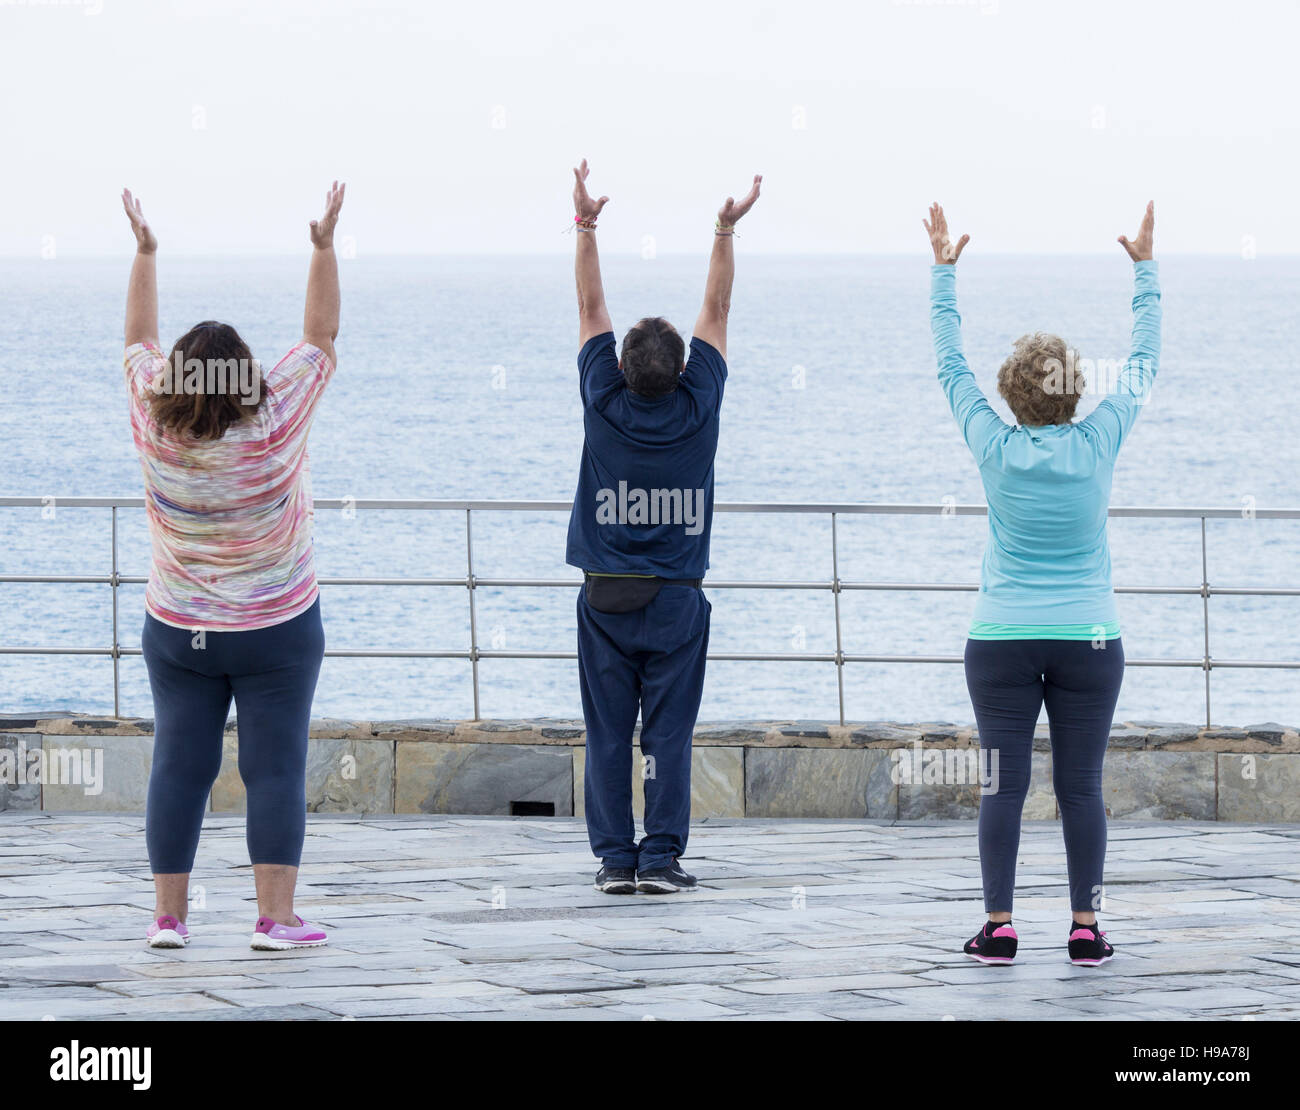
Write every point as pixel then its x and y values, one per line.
pixel 1009 682
pixel 271 675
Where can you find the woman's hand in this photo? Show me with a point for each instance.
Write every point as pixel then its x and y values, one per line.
pixel 145 240
pixel 583 206
pixel 1139 249
pixel 945 252
pixel 730 212
pixel 322 230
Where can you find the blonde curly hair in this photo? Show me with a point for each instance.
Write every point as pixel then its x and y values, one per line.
pixel 1041 381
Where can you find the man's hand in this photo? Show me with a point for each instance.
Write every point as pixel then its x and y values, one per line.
pixel 583 206
pixel 322 230
pixel 1140 248
pixel 731 212
pixel 945 252
pixel 145 241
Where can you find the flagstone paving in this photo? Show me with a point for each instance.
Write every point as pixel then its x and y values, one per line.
pixel 479 918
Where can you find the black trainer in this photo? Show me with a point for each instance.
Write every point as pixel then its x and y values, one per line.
pixel 993 944
pixel 616 880
pixel 665 880
pixel 1088 945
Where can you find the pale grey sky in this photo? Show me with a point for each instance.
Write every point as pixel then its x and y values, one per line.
pixel 1041 126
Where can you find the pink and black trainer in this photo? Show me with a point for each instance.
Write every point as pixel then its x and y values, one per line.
pixel 1088 945
pixel 167 932
pixel 271 936
pixel 994 944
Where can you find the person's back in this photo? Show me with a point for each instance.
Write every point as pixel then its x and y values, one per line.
pixel 1048 492
pixel 646 474
pixel 230 518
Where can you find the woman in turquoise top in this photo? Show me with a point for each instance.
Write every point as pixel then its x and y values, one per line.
pixel 1045 630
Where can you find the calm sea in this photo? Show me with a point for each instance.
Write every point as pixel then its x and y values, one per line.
pixel 457 379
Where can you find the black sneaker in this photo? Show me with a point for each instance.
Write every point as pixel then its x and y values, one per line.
pixel 665 880
pixel 993 944
pixel 616 880
pixel 1088 945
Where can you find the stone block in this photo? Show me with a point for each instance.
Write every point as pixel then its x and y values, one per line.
pixel 482 778
pixel 717 782
pixel 1162 786
pixel 1259 787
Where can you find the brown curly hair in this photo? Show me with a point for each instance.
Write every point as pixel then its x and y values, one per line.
pixel 1041 381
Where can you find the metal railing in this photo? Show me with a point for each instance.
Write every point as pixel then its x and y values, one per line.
pixel 835 585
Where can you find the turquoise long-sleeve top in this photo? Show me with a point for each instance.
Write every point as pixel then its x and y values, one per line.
pixel 1046 571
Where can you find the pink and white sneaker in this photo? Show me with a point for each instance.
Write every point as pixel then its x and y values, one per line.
pixel 271 936
pixel 167 932
pixel 1088 946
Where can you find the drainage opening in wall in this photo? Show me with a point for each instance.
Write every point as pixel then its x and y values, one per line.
pixel 532 809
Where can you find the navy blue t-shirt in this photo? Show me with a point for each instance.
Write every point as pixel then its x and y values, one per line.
pixel 645 490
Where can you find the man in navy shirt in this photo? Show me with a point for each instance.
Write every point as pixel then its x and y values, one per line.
pixel 640 533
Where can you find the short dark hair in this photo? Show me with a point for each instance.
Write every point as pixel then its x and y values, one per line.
pixel 653 357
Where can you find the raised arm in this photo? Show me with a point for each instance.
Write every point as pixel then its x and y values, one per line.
pixel 975 416
pixel 142 292
pixel 320 325
pixel 593 316
pixel 711 325
pixel 1112 420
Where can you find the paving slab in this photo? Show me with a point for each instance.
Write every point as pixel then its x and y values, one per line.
pixel 439 917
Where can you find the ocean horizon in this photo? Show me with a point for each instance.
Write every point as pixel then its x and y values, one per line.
pixel 457 379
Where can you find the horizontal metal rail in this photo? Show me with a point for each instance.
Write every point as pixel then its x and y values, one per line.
pixel 835 584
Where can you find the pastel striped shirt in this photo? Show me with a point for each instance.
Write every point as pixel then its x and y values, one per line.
pixel 230 520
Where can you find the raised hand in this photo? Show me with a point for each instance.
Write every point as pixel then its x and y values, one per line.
pixel 730 212
pixel 583 206
pixel 945 251
pixel 322 230
pixel 145 241
pixel 1139 249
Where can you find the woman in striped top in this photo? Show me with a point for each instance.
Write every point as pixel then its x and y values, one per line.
pixel 232 612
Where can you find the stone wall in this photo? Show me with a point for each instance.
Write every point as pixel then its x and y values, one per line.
pixel 741 769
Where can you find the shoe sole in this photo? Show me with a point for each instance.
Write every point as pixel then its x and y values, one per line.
pixel 622 886
pixel 1091 963
pixel 167 938
pixel 653 887
pixel 262 943
pixel 990 959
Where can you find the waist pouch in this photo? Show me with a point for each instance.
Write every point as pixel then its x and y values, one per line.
pixel 626 593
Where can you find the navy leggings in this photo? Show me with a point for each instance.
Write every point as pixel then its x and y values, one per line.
pixel 1009 682
pixel 271 675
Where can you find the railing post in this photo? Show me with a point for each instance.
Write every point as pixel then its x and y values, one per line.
pixel 835 591
pixel 1205 619
pixel 473 622
pixel 117 653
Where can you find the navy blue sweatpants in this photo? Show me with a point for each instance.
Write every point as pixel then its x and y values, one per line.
pixel 649 661
pixel 1009 682
pixel 271 675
